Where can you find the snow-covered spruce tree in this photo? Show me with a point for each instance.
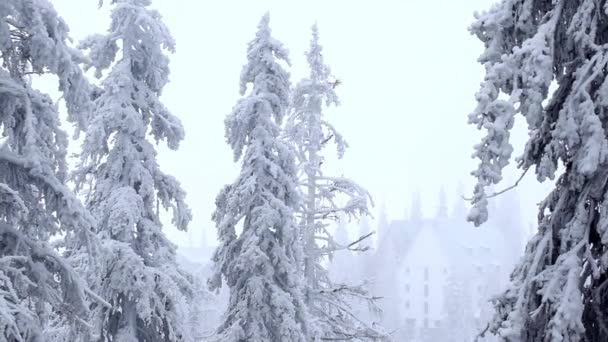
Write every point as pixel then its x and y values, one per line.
pixel 558 292
pixel 324 200
pixel 124 186
pixel 37 283
pixel 261 264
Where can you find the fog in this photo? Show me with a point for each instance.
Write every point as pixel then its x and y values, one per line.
pixel 409 73
pixel 409 76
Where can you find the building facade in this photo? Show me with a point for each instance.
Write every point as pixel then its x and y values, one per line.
pixel 437 275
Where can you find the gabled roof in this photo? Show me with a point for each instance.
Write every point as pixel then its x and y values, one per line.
pixel 458 241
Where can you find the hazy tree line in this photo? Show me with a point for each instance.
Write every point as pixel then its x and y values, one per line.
pixel 83 256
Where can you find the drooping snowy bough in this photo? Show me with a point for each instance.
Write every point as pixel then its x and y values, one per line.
pixel 261 263
pixel 559 290
pixel 36 283
pixel 324 200
pixel 124 186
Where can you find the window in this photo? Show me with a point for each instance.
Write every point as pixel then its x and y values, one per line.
pixel 426 308
pixel 426 273
pixel 407 287
pixel 437 324
pixel 426 290
pixel 407 271
pixel 426 322
pixel 407 304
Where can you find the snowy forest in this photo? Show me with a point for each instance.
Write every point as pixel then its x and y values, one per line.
pixel 391 171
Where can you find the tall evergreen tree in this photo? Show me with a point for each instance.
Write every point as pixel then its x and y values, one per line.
pixel 138 273
pixel 36 283
pixel 558 291
pixel 261 265
pixel 325 199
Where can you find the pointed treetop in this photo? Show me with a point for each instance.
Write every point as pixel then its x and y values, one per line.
pixel 315 33
pixel 442 211
pixel 382 217
pixel 265 20
pixel 203 241
pixel 416 207
pixel 262 55
pixel 270 87
pixel 382 220
pixel 319 71
pixel 264 31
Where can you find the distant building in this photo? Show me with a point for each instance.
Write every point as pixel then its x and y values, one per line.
pixel 437 275
pixel 422 273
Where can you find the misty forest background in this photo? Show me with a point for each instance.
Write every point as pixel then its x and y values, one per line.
pixel 99 242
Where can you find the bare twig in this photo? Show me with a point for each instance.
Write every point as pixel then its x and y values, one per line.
pixel 327 139
pixel 482 333
pixel 360 239
pixel 337 247
pixel 505 189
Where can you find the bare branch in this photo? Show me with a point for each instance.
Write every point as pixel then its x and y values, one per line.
pixel 327 139
pixel 505 189
pixel 360 239
pixel 482 333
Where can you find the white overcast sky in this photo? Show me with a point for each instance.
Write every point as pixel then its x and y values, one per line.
pixel 409 75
